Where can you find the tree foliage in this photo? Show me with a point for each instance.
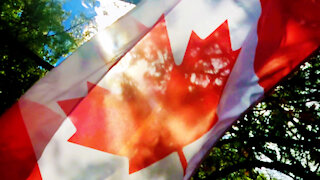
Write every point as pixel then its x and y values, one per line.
pixel 33 38
pixel 280 133
pixel 37 25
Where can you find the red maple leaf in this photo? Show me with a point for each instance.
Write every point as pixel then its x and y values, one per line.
pixel 166 108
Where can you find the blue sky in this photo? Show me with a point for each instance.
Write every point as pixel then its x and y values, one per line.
pixel 75 7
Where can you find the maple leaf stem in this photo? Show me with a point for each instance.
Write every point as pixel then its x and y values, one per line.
pixel 183 161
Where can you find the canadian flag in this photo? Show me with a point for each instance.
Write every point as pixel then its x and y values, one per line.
pixel 148 97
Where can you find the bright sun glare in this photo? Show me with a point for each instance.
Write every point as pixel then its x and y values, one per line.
pixel 107 13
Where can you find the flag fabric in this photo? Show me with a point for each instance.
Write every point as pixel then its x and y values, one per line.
pixel 149 96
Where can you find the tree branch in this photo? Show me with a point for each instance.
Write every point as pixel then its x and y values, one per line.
pixel 274 139
pixel 70 28
pixel 15 44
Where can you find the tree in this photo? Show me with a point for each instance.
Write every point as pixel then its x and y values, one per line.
pixel 33 38
pixel 281 133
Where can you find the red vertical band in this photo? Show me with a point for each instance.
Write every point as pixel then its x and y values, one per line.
pixel 288 31
pixel 17 158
